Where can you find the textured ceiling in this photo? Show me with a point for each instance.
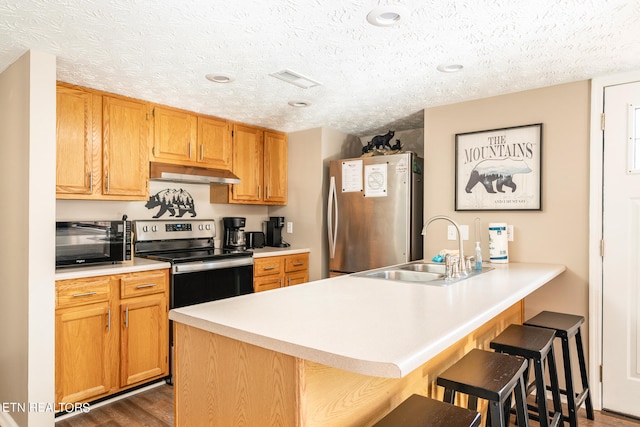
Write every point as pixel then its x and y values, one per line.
pixel 372 78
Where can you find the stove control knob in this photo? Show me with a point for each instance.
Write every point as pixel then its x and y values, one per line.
pixel 145 228
pixel 208 226
pixel 154 228
pixel 200 227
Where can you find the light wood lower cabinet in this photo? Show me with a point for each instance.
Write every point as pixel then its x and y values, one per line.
pixel 111 333
pixel 279 271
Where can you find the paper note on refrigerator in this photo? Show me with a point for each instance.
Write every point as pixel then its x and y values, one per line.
pixel 351 176
pixel 375 180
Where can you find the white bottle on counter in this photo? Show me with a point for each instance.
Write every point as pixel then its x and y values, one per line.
pixel 478 265
pixel 498 243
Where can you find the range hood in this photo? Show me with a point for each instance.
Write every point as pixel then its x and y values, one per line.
pixel 190 174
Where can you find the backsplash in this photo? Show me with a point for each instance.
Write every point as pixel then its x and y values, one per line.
pixel 183 199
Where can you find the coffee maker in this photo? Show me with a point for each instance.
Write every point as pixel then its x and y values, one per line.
pixel 274 232
pixel 234 234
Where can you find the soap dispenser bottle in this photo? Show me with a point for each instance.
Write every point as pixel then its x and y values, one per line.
pixel 478 265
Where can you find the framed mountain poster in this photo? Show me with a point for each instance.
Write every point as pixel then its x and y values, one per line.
pixel 499 169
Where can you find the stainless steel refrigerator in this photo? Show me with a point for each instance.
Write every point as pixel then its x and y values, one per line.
pixel 374 212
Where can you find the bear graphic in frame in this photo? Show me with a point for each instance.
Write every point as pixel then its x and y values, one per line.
pixel 499 169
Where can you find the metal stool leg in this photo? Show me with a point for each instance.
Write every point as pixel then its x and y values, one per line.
pixel 583 376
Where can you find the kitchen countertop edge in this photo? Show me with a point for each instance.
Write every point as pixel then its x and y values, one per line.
pixel 268 251
pixel 136 265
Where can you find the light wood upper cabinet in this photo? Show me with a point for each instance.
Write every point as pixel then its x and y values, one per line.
pixel 214 143
pixel 174 137
pixel 125 147
pixel 260 161
pixel 184 138
pixel 78 136
pixel 102 144
pixel 275 167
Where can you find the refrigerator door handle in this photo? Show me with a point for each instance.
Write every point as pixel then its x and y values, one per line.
pixel 332 205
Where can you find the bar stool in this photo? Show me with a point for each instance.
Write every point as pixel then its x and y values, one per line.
pixel 567 326
pixel 536 345
pixel 491 376
pixel 420 411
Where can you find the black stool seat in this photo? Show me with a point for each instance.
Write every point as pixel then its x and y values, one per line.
pixel 567 326
pixel 535 344
pixel 420 411
pixel 491 376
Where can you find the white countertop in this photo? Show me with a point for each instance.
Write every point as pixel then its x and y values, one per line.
pixel 137 264
pixel 270 251
pixel 369 326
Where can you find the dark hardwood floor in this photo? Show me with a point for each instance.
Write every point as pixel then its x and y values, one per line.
pixel 154 408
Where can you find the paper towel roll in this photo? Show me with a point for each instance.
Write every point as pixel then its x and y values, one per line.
pixel 498 243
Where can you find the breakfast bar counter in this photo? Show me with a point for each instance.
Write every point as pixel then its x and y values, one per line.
pixel 339 351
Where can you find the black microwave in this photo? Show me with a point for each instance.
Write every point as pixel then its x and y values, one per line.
pixel 92 242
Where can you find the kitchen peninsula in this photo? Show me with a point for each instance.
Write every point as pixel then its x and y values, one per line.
pixel 336 352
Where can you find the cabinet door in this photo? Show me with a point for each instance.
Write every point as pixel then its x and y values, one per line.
pixel 125 147
pixel 247 164
pixel 296 278
pixel 266 283
pixel 214 143
pixel 78 121
pixel 275 167
pixel 143 339
pixel 85 352
pixel 174 137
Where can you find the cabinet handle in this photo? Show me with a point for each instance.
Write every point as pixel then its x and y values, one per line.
pixel 267 192
pixel 108 183
pixel 289 281
pixel 190 149
pixel 298 264
pixel 270 267
pixel 90 182
pixel 201 151
pixel 126 317
pixel 258 191
pixel 84 294
pixel 280 282
pixel 148 285
pixel 109 320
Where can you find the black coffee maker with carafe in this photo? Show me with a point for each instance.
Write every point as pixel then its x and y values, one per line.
pixel 234 238
pixel 274 232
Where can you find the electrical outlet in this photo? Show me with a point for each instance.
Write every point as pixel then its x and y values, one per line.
pixel 509 233
pixel 453 235
pixel 289 227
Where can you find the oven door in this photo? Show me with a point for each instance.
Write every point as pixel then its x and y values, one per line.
pixel 198 282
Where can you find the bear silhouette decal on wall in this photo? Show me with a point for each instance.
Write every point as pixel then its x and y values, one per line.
pixel 172 201
pixel 500 171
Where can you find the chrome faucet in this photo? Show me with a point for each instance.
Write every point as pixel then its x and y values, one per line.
pixel 462 270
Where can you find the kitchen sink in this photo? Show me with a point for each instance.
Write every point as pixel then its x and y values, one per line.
pixel 427 273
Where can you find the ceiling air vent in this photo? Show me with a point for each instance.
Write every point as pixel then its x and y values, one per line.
pixel 295 79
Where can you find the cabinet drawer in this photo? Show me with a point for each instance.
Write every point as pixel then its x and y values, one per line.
pixel 75 292
pixel 146 283
pixel 267 266
pixel 267 283
pixel 296 262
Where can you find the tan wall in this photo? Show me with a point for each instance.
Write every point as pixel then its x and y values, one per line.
pixel 558 233
pixel 27 145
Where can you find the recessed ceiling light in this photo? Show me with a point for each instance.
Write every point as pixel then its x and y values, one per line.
pixel 387 16
pixel 299 104
pixel 219 78
pixel 450 68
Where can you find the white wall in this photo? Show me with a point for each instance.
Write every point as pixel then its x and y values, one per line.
pixel 27 245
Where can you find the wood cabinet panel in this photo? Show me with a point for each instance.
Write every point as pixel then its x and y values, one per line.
pixel 78 140
pixel 125 147
pixel 143 284
pixel 174 137
pixel 75 292
pixel 268 266
pixel 275 167
pixel 247 164
pixel 84 352
pixel 214 143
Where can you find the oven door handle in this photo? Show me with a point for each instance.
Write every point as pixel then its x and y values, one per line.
pixel 190 267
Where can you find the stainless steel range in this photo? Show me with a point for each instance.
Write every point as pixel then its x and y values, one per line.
pixel 199 272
